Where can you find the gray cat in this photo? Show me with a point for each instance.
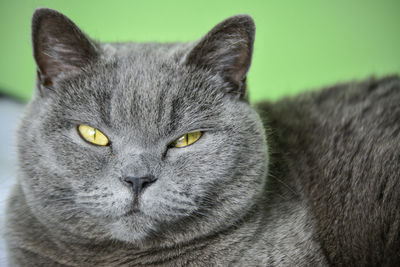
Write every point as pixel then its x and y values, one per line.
pixel 150 154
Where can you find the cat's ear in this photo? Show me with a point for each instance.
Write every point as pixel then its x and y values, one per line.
pixel 227 49
pixel 60 48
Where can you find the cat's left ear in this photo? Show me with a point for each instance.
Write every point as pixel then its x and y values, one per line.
pixel 60 48
pixel 227 49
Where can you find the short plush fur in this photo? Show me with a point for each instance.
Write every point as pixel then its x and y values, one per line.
pixel 305 181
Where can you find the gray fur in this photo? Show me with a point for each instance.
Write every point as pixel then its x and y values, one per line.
pixel 227 200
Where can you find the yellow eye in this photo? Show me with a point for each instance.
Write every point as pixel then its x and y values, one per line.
pixel 187 139
pixel 92 135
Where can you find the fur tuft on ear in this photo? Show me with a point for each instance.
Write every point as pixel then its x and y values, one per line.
pixel 227 49
pixel 59 46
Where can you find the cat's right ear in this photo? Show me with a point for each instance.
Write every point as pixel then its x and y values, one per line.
pixel 60 48
pixel 227 49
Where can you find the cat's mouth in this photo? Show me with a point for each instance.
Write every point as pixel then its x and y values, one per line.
pixel 131 212
pixel 133 209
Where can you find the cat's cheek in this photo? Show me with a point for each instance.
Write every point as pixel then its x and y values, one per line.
pixel 106 202
pixel 107 194
pixel 78 155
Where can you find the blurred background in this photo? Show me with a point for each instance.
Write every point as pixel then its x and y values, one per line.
pixel 300 45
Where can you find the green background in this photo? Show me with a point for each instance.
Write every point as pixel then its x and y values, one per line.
pixel 299 44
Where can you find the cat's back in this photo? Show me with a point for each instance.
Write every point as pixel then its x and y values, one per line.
pixel 342 148
pixel 371 101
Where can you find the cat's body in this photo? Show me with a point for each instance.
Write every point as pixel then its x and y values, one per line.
pixel 341 147
pixel 321 192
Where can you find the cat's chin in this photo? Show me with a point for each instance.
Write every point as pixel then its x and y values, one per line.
pixel 121 232
pixel 132 228
pixel 140 226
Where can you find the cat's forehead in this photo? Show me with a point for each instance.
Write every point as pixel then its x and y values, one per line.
pixel 149 92
pixel 162 96
pixel 144 96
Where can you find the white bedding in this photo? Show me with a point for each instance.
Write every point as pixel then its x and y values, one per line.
pixel 10 112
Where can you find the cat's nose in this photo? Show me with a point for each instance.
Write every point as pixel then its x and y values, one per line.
pixel 138 184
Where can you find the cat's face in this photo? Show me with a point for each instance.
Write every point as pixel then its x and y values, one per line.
pixel 142 98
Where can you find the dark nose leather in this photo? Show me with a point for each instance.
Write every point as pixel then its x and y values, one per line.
pixel 138 184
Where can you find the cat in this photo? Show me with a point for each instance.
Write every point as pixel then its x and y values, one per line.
pixel 137 154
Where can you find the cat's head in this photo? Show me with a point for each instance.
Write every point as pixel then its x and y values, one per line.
pixel 134 181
